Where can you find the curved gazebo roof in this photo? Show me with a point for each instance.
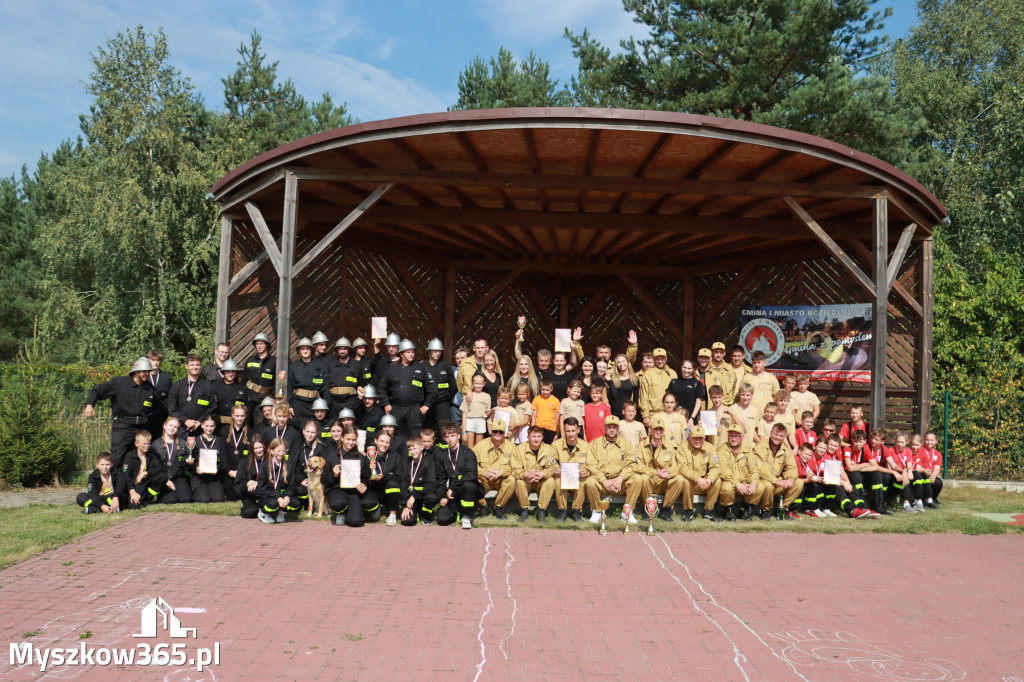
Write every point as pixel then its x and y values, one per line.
pixel 684 215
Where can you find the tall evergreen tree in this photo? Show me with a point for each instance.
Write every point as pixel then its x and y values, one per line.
pixel 505 83
pixel 797 64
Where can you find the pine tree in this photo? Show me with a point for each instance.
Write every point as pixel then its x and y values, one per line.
pixel 508 84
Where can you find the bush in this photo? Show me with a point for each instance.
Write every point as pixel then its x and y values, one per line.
pixel 32 449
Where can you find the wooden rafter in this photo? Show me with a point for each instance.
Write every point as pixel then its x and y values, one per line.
pixel 896 259
pixel 264 232
pixel 338 229
pixel 830 244
pixel 247 271
pixel 864 254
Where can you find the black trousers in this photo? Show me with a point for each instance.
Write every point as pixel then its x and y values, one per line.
pixel 303 408
pixel 207 488
pixel 810 497
pixel 84 500
pixel 869 486
pixel 847 502
pixel 925 489
pixel 894 489
pixel 348 502
pixel 122 441
pixel 422 509
pixel 270 505
pixel 409 417
pixel 437 416
pixel 250 507
pixel 182 492
pixel 463 504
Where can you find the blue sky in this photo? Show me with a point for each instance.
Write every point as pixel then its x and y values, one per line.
pixel 384 59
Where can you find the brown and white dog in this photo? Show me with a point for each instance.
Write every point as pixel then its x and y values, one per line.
pixel 314 486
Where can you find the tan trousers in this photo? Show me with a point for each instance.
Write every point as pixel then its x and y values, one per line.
pixel 544 490
pixel 505 485
pixel 671 488
pixel 633 487
pixel 788 494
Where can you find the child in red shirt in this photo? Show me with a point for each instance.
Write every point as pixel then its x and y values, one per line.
pixel 595 411
pixel 806 434
pixel 927 470
pixel 900 459
pixel 856 423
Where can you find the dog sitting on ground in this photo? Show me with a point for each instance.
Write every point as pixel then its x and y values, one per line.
pixel 314 486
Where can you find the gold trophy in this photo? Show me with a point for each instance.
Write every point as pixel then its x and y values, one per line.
pixel 652 509
pixel 371 453
pixel 626 511
pixel 603 504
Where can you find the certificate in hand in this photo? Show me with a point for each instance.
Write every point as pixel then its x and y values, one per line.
pixel 207 461
pixel 350 473
pixel 709 420
pixel 563 340
pixel 378 327
pixel 361 440
pixel 571 476
pixel 833 472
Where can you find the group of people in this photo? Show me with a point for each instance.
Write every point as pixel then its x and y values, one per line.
pixel 447 442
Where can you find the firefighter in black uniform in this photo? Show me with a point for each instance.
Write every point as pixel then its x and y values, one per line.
pixel 161 381
pixel 418 484
pixel 343 377
pixel 442 375
pixel 307 381
pixel 229 392
pixel 405 392
pixel 192 398
pixel 172 451
pixel 369 414
pixel 457 486
pixel 259 377
pixel 348 504
pixel 382 361
pixel 132 399
pixel 320 342
pixel 359 348
pixel 323 425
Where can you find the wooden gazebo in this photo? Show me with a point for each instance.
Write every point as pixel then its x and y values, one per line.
pixel 452 224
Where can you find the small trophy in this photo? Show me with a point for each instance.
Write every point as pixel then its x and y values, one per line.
pixel 371 452
pixel 626 511
pixel 652 509
pixel 603 504
pixel 282 377
pixel 191 443
pixel 521 322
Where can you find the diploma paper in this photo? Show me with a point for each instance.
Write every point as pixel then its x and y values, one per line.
pixel 505 416
pixel 570 476
pixel 361 440
pixel 563 340
pixel 351 470
pixel 378 327
pixel 207 461
pixel 709 420
pixel 833 472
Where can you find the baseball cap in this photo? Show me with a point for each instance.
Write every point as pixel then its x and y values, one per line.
pixel 697 431
pixel 734 429
pixel 658 421
pixel 611 419
pixel 718 345
pixel 499 425
pixel 704 353
pixel 659 352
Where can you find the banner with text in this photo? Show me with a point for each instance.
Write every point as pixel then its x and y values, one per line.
pixel 825 342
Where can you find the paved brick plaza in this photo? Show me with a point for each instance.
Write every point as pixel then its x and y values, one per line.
pixel 302 601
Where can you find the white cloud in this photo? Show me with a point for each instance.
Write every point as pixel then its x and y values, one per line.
pixel 542 21
pixel 386 48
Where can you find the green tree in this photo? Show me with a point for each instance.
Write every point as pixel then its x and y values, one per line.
pixel 131 262
pixel 797 64
pixel 963 65
pixel 20 297
pixel 264 113
pixel 506 83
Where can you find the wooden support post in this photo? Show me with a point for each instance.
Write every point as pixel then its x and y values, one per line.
pixel 247 271
pixel 924 363
pixel 264 232
pixel 896 260
pixel 831 245
pixel 879 312
pixel 343 291
pixel 563 312
pixel 284 295
pixel 223 280
pixel 688 294
pixel 449 311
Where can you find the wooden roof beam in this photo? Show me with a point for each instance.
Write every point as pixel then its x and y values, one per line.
pixel 338 229
pixel 497 265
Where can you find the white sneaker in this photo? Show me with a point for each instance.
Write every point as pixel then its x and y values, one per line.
pixel 907 508
pixel 466 524
pixel 392 520
pixel 280 517
pixel 631 519
pixel 919 505
pixel 828 512
pixel 265 518
pixel 595 517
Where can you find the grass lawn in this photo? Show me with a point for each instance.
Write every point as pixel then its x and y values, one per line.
pixel 36 528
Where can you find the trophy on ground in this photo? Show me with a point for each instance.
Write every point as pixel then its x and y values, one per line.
pixel 652 509
pixel 603 504
pixel 626 511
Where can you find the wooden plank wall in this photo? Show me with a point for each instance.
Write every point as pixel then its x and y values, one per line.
pixel 375 288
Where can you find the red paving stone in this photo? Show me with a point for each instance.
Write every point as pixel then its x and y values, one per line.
pixel 303 602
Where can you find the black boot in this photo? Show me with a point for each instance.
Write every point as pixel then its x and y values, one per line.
pixel 562 515
pixel 542 516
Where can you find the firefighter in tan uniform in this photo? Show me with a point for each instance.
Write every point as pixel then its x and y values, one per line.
pixel 653 385
pixel 721 374
pixel 533 465
pixel 703 473
pixel 615 469
pixel 659 457
pixel 570 449
pixel 777 467
pixel 745 471
pixel 727 469
pixel 494 462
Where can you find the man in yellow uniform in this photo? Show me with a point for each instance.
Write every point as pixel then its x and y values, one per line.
pixel 494 463
pixel 777 467
pixel 745 469
pixel 569 449
pixel 728 469
pixel 533 465
pixel 615 469
pixel 721 374
pixel 703 473
pixel 653 385
pixel 659 458
pixel 764 382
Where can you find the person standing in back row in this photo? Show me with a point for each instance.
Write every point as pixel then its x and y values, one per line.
pixel 192 398
pixel 405 392
pixel 131 402
pixel 307 381
pixel 258 377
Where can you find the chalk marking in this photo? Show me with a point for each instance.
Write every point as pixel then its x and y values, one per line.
pixel 863 657
pixel 188 609
pixel 490 604
pixel 508 593
pixel 735 617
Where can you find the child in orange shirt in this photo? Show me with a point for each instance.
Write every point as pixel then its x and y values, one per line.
pixel 545 411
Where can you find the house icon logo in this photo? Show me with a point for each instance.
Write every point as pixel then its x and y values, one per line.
pixel 159 614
